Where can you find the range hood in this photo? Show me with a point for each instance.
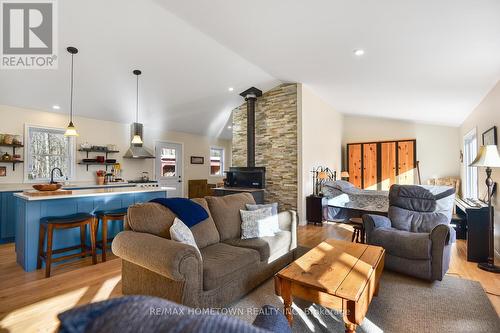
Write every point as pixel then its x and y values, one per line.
pixel 136 150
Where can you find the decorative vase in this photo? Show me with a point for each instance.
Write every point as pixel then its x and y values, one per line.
pixel 85 145
pixel 8 139
pixel 111 147
pixel 6 157
pixel 17 140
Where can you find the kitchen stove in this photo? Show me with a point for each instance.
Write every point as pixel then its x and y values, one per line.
pixel 142 183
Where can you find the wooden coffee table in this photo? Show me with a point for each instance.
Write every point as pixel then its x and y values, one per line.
pixel 336 274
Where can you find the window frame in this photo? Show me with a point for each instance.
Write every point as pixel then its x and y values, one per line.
pixel 28 157
pixel 223 156
pixel 176 157
pixel 471 186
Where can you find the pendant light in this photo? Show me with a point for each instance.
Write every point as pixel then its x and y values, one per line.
pixel 137 138
pixel 71 129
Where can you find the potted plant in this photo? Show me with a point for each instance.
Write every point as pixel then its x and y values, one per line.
pixel 100 177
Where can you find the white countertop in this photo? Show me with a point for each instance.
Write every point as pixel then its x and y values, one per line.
pixel 96 192
pixel 29 186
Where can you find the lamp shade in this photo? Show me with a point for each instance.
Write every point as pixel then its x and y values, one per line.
pixel 487 157
pixel 137 139
pixel 344 174
pixel 71 130
pixel 322 175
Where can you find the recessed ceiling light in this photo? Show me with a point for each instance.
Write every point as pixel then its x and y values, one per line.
pixel 230 88
pixel 359 52
pixel 56 107
pixel 229 127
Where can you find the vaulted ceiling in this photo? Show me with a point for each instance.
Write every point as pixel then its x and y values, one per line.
pixel 185 73
pixel 425 60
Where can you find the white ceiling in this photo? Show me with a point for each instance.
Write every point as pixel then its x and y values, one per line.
pixel 185 80
pixel 425 60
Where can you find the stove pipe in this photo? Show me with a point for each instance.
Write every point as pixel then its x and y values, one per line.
pixel 250 96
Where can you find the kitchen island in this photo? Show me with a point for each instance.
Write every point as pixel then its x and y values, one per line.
pixel 8 202
pixel 30 209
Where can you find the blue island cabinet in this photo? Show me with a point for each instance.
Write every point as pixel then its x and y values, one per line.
pixel 29 213
pixel 7 217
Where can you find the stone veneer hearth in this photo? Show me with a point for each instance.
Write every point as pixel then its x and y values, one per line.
pixel 275 142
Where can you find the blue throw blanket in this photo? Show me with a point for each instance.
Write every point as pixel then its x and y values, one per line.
pixel 186 210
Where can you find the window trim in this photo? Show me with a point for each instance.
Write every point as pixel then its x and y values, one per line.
pixel 222 161
pixel 467 138
pixel 72 151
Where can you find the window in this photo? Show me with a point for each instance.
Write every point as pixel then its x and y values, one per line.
pixel 168 162
pixel 216 161
pixel 48 148
pixel 470 152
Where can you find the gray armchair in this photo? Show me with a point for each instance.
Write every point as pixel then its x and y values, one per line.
pixel 417 234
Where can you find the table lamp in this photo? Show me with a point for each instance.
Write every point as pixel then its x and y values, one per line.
pixel 344 175
pixel 488 157
pixel 322 175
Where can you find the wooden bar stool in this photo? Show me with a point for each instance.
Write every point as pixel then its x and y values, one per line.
pixel 47 227
pixel 105 216
pixel 358 234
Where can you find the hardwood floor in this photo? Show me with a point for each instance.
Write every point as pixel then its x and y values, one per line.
pixel 30 303
pixel 311 235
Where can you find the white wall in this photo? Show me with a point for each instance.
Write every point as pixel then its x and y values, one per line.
pixel 100 132
pixel 320 139
pixel 195 145
pixel 485 116
pixel 438 147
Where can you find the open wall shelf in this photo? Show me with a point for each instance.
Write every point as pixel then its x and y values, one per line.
pixel 96 163
pixel 99 151
pixel 13 162
pixel 105 152
pixel 14 145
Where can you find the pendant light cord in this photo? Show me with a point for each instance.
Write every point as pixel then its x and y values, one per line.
pixel 71 98
pixel 137 102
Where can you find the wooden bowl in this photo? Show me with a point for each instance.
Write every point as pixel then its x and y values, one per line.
pixel 47 187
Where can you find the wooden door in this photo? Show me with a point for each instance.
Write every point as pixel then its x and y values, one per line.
pixel 387 165
pixel 370 166
pixel 354 164
pixel 406 162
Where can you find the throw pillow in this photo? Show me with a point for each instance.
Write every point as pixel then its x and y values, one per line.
pixel 273 206
pixel 133 314
pixel 274 209
pixel 181 233
pixel 256 223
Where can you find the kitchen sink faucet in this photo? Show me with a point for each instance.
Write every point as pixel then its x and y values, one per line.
pixel 52 175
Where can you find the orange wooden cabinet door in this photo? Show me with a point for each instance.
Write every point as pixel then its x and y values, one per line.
pixel 388 165
pixel 406 162
pixel 370 166
pixel 354 164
